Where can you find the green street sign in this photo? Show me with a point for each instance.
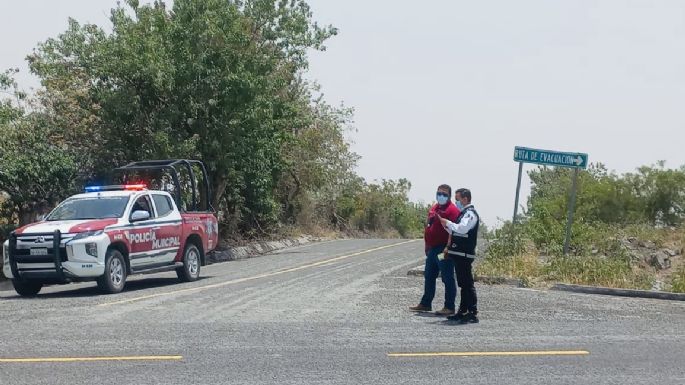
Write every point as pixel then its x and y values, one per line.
pixel 551 158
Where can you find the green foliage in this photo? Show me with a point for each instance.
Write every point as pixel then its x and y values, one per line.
pixel 653 194
pixel 318 166
pixel 661 192
pixel 509 240
pixel 678 281
pixel 382 207
pixel 606 202
pixel 610 209
pixel 213 79
pixel 35 171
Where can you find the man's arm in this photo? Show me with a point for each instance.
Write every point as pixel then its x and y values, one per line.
pixel 467 223
pixel 429 219
pixel 447 247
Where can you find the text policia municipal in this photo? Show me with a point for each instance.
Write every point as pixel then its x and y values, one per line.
pixel 151 236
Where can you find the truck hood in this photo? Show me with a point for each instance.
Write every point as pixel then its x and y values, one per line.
pixel 67 226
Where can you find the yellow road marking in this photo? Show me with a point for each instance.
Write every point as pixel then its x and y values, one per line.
pixel 87 359
pixel 490 354
pixel 255 277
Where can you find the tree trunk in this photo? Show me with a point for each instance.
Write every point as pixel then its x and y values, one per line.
pixel 218 190
pixel 25 217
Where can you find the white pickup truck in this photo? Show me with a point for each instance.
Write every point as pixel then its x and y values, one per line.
pixel 106 234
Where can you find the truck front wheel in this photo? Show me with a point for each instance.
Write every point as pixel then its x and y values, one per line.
pixel 26 288
pixel 190 271
pixel 114 279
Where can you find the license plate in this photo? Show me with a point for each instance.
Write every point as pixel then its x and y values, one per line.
pixel 41 251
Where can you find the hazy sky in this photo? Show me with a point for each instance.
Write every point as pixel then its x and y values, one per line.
pixel 444 90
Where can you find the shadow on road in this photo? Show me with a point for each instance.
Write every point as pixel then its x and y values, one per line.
pixel 428 315
pixel 93 291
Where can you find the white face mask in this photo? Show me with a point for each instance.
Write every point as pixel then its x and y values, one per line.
pixel 442 200
pixel 460 206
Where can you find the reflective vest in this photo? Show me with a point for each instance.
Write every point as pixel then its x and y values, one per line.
pixel 464 245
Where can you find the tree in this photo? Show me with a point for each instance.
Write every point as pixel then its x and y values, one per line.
pixel 318 163
pixel 661 193
pixel 213 79
pixel 35 171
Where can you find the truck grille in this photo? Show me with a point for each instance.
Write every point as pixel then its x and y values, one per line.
pixel 38 255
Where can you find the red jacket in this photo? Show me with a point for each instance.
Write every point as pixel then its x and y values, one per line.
pixel 435 234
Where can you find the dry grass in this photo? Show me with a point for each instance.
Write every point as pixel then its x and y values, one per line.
pixel 678 281
pixel 526 267
pixel 598 271
pixel 587 270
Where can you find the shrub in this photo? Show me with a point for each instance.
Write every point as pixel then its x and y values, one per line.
pixel 509 240
pixel 678 281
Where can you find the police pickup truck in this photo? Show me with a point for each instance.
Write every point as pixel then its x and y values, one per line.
pixel 111 232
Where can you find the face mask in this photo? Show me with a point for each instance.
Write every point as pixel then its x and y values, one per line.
pixel 460 206
pixel 442 199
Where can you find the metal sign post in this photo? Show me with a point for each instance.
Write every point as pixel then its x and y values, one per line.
pixel 518 191
pixel 571 210
pixel 574 160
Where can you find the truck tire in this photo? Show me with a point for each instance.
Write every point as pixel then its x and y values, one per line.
pixel 26 288
pixel 114 279
pixel 190 271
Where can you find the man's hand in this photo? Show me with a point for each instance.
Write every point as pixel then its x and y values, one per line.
pixel 443 221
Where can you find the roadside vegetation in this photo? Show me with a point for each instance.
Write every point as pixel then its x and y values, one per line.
pixel 216 80
pixel 628 231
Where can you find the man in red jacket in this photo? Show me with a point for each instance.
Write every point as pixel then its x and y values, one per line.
pixel 435 237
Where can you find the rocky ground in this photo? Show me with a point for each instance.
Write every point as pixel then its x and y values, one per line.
pixel 664 261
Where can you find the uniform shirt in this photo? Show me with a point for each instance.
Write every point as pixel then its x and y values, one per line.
pixel 466 224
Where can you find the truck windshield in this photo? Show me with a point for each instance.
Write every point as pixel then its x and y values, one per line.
pixel 89 208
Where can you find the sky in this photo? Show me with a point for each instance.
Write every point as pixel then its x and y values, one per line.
pixel 444 90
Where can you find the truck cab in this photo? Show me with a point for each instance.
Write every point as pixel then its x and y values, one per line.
pixel 108 233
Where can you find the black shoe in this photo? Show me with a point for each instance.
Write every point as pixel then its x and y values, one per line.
pixel 420 308
pixel 457 317
pixel 469 318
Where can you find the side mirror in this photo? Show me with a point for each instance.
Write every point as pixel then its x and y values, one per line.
pixel 140 215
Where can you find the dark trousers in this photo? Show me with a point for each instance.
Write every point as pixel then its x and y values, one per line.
pixel 435 267
pixel 469 301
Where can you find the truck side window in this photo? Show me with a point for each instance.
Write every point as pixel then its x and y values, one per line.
pixel 143 204
pixel 163 204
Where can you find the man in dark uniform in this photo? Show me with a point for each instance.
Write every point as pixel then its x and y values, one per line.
pixel 461 248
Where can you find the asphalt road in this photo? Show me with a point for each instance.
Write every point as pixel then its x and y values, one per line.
pixel 331 313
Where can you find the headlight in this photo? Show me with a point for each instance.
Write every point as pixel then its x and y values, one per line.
pixel 87 234
pixel 6 252
pixel 92 249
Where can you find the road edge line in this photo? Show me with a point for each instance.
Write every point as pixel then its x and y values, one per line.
pixel 662 295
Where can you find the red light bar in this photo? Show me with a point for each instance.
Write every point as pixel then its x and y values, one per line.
pixel 135 187
pixel 125 187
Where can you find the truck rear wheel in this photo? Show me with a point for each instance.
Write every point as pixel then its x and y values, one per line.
pixel 26 288
pixel 114 279
pixel 190 271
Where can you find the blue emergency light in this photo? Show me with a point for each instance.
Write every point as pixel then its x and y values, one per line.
pixel 124 187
